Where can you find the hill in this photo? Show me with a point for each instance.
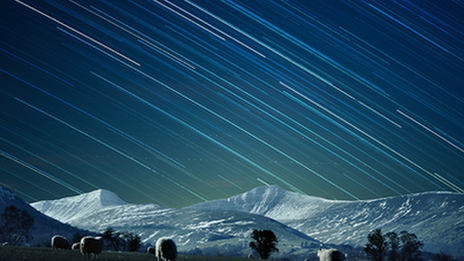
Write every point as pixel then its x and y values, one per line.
pixel 435 217
pixel 302 223
pixel 45 226
pixel 209 232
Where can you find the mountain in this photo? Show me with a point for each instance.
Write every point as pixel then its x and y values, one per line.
pixel 200 231
pixel 435 217
pixel 74 208
pixel 302 223
pixel 45 226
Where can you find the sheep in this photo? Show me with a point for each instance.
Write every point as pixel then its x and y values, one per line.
pixel 91 245
pixel 60 242
pixel 76 246
pixel 151 250
pixel 329 255
pixel 166 249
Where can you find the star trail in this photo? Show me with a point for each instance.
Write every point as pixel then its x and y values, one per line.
pixel 185 101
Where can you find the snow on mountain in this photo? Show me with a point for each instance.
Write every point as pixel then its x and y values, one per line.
pixel 193 230
pixel 272 202
pixel 435 217
pixel 67 209
pixel 45 226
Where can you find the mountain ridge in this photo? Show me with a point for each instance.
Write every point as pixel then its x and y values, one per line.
pixel 435 217
pixel 193 230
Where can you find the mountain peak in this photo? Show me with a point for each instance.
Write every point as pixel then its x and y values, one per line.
pixel 69 208
pixel 105 197
pixel 261 201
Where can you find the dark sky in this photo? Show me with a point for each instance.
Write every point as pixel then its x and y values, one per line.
pixel 179 102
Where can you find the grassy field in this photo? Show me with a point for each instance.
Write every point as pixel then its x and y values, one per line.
pixel 18 253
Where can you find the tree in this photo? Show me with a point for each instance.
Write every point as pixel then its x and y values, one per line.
pixel 16 225
pixel 377 245
pixel 394 244
pixel 133 242
pixel 405 247
pixel 113 237
pixel 265 243
pixel 410 246
pixel 126 240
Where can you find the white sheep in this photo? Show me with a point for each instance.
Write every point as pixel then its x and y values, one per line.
pixel 60 242
pixel 166 249
pixel 91 245
pixel 76 246
pixel 329 254
pixel 151 250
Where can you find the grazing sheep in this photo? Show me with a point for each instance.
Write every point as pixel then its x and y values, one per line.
pixel 76 246
pixel 329 255
pixel 60 242
pixel 91 245
pixel 151 250
pixel 166 249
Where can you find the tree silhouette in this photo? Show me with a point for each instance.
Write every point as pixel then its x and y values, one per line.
pixel 133 242
pixel 394 244
pixel 113 237
pixel 126 240
pixel 265 243
pixel 405 247
pixel 16 224
pixel 377 245
pixel 410 248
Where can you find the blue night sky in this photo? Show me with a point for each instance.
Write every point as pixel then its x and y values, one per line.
pixel 179 102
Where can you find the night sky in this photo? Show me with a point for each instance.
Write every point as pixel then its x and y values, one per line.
pixel 179 102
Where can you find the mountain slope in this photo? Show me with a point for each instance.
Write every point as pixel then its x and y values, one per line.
pixel 272 202
pixel 435 217
pixel 76 207
pixel 193 230
pixel 45 226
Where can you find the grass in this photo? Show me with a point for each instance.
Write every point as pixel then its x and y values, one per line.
pixel 21 253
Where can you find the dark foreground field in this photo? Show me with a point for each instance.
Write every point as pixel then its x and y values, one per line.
pixel 17 253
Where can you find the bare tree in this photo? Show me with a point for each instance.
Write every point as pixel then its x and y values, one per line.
pixel 15 225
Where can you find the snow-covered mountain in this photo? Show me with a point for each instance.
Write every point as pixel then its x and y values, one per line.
pixel 45 226
pixel 300 222
pixel 437 218
pixel 74 208
pixel 200 231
